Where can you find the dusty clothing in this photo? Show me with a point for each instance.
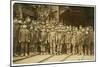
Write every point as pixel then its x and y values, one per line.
pixel 43 41
pixel 52 40
pixel 24 40
pixel 59 41
pixel 74 41
pixel 90 42
pixel 80 40
pixel 16 28
pixel 68 42
pixel 24 35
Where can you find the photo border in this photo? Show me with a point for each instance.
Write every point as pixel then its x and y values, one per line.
pixel 51 3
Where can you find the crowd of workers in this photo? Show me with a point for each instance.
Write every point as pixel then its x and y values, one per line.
pixel 37 37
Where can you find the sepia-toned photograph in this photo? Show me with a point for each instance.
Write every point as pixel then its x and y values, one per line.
pixel 52 33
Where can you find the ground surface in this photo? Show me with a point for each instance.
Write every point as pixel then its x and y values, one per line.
pixel 51 58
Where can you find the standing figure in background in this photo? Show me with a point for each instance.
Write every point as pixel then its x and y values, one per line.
pixel 43 40
pixel 52 40
pixel 74 43
pixel 32 43
pixel 78 40
pixel 17 26
pixel 68 42
pixel 47 41
pixel 24 40
pixel 85 41
pixel 91 41
pixel 81 39
pixel 59 41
